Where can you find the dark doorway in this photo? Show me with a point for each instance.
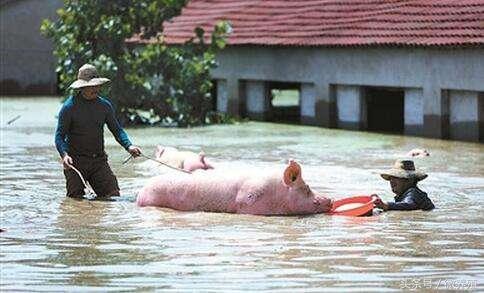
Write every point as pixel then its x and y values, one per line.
pixel 213 95
pixel 385 109
pixel 285 102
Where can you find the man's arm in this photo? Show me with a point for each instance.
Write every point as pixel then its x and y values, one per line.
pixel 119 134
pixel 63 124
pixel 407 204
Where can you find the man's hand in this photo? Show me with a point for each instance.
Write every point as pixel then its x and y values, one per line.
pixel 67 161
pixel 379 203
pixel 134 151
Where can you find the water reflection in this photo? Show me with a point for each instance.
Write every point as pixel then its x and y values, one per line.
pixel 79 238
pixel 53 243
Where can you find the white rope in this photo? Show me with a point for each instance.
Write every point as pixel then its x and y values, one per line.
pixel 164 164
pixel 87 188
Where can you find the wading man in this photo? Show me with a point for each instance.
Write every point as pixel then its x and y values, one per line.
pixel 403 179
pixel 79 137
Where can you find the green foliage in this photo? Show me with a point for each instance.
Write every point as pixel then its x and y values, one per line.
pixel 151 83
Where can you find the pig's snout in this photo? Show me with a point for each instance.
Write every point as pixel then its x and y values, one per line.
pixel 322 203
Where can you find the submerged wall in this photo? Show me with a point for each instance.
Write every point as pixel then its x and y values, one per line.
pixel 440 85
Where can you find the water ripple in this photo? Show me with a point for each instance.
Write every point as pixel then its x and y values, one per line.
pixel 53 243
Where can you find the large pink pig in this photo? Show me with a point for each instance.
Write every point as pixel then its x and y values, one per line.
pixel 284 193
pixel 188 161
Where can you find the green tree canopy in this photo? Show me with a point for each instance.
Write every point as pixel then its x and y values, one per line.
pixel 152 83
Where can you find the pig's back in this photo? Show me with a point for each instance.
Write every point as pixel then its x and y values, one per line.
pixel 191 192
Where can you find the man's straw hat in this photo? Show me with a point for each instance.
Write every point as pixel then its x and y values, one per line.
pixel 87 76
pixel 404 169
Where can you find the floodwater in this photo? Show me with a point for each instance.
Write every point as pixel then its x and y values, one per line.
pixel 53 243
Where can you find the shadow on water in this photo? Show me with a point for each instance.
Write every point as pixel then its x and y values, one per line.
pixel 53 243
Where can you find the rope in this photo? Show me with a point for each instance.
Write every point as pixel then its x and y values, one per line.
pixel 164 164
pixel 87 187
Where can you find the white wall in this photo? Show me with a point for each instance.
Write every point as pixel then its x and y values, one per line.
pixel 257 102
pixel 414 111
pixel 463 106
pixel 349 104
pixel 464 115
pixel 222 96
pixel 308 100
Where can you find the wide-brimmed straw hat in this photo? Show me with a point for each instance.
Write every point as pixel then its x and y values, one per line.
pixel 87 76
pixel 404 169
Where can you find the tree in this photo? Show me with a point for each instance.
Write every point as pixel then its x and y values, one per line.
pixel 152 83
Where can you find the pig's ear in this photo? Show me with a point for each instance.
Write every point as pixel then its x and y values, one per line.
pixel 159 151
pixel 201 157
pixel 292 173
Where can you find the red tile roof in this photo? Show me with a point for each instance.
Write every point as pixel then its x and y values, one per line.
pixel 335 22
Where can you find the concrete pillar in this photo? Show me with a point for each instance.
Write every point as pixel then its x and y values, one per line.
pixel 351 107
pixel 236 95
pixel 222 96
pixel 414 111
pixel 436 112
pixel 326 111
pixel 257 100
pixel 308 104
pixel 480 102
pixel 464 115
pixel 318 104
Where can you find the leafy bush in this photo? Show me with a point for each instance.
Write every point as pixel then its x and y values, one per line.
pixel 152 83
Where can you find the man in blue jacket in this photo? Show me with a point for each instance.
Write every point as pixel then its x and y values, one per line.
pixel 403 179
pixel 79 137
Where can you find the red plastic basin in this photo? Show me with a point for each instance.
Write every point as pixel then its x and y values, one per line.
pixel 354 206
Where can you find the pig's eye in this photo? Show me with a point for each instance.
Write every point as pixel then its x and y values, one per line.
pixel 307 189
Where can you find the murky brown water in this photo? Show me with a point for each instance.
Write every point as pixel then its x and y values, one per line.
pixel 53 243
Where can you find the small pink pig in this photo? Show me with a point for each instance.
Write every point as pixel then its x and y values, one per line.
pixel 188 161
pixel 282 193
pixel 418 153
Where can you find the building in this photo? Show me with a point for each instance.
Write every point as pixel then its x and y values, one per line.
pixel 404 66
pixel 27 64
